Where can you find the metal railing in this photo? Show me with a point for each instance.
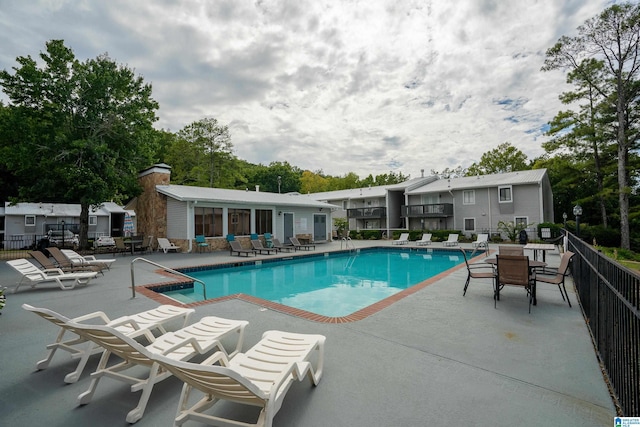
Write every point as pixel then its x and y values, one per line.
pixel 438 210
pixel 609 295
pixel 348 243
pixel 367 213
pixel 170 270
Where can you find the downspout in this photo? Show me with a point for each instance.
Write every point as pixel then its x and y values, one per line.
pixel 490 211
pixel 453 202
pixel 191 212
pixel 541 194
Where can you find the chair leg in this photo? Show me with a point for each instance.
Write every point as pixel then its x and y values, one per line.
pixel 466 284
pixel 136 413
pixel 85 397
pixel 565 292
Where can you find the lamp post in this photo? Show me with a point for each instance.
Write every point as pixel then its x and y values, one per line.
pixel 577 211
pixel 279 182
pixel 564 220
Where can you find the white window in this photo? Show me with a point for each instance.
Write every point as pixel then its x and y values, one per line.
pixel 504 194
pixel 30 220
pixel 469 224
pixel 521 221
pixel 93 220
pixel 469 197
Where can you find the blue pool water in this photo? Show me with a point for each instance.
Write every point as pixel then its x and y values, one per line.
pixel 335 285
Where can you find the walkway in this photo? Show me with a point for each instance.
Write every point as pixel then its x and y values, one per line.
pixel 432 358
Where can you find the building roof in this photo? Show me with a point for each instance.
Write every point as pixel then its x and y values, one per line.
pixel 59 209
pixel 204 194
pixel 534 176
pixel 368 192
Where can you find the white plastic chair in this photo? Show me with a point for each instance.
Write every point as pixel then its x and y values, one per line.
pixel 160 319
pixel 260 377
pixel 402 240
pixel 201 338
pixel 33 275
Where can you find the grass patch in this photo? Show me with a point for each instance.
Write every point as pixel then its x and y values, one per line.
pixel 625 257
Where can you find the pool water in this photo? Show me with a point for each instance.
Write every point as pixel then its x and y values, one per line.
pixel 333 286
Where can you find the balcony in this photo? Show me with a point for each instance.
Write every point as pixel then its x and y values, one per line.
pixel 439 210
pixel 367 213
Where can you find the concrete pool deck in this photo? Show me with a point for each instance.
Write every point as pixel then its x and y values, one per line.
pixel 433 357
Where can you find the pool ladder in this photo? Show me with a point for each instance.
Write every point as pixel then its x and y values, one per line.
pixel 170 270
pixel 347 242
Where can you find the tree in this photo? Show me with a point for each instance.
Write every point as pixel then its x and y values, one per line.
pixel 311 182
pixel 504 158
pixel 612 38
pixel 349 180
pixel 584 134
pixel 86 129
pixel 277 177
pixel 202 155
pixel 447 173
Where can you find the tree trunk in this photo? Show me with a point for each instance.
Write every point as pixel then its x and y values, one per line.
pixel 623 150
pixel 84 225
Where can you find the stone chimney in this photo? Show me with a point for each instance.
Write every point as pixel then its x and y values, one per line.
pixel 151 207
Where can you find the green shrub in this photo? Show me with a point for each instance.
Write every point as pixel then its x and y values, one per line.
pixel 603 236
pixel 371 234
pixel 556 229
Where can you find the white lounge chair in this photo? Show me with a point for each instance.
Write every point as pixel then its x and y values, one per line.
pixel 33 275
pixel 165 245
pixel 426 240
pixel 201 338
pixel 78 259
pixel 260 377
pixel 161 319
pixel 481 241
pixel 402 240
pixel 452 240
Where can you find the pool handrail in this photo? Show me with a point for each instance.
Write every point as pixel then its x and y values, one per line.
pixel 170 270
pixel 346 241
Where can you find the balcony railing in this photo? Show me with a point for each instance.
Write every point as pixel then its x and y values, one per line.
pixel 438 210
pixel 610 298
pixel 367 213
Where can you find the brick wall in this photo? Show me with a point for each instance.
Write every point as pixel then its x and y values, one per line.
pixel 151 206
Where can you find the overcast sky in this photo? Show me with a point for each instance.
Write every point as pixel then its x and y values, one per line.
pixel 366 86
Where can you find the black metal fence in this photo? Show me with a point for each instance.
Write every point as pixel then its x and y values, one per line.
pixel 610 298
pixel 19 246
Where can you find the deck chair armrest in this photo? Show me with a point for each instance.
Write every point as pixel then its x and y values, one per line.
pixel 89 258
pixel 292 370
pixel 194 342
pixel 95 315
pixel 218 356
pixel 298 370
pixel 126 320
pixel 53 272
pixel 481 266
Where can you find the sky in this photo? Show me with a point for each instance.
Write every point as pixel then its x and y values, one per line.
pixel 370 87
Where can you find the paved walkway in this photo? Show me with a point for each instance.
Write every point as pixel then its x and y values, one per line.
pixel 433 358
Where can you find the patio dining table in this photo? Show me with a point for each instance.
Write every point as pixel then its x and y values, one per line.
pixel 540 247
pixel 133 243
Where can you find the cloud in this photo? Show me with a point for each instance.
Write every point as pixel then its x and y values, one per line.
pixel 348 86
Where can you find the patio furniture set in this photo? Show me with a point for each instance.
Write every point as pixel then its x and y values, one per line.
pixel 511 267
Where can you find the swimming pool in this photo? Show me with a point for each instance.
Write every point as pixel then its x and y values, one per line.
pixel 332 284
